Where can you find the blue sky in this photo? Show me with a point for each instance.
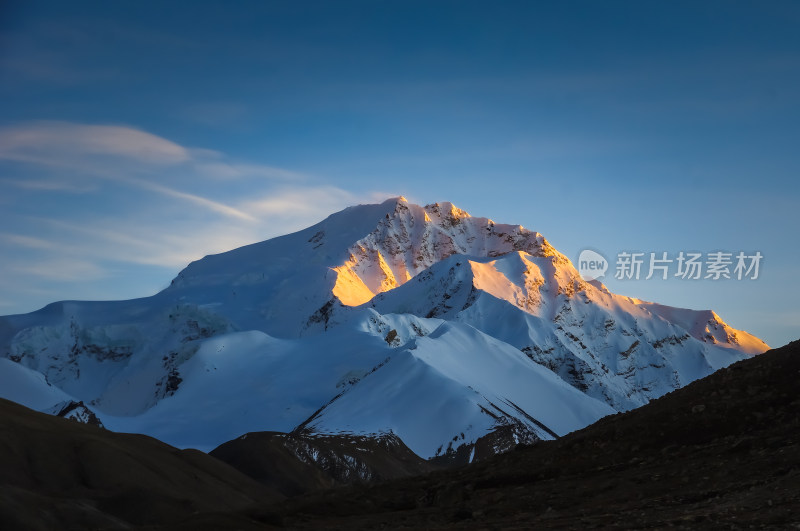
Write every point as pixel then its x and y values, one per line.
pixel 138 136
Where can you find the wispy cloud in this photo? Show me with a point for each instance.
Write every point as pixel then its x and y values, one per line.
pixel 214 206
pixel 63 142
pixel 299 201
pixel 98 150
pixel 47 185
pixel 144 240
pixel 107 240
pixel 28 242
pixel 123 154
pixel 150 202
pixel 64 270
pixel 225 170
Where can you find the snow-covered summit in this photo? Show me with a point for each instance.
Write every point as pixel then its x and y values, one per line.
pixel 412 238
pixel 276 285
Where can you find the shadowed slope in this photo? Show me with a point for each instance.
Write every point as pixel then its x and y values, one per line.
pixel 294 463
pixel 60 474
pixel 723 452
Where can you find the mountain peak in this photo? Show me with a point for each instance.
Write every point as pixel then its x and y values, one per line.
pixel 446 210
pixel 412 238
pixel 395 199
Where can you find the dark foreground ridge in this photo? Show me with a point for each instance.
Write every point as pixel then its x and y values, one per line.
pixel 296 463
pixel 720 453
pixel 60 474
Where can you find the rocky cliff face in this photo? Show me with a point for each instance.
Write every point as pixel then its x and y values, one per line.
pixel 411 238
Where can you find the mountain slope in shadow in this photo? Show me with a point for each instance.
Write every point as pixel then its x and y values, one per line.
pixel 723 452
pixel 296 463
pixel 61 474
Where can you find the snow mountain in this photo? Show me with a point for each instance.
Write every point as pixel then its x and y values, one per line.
pixel 420 322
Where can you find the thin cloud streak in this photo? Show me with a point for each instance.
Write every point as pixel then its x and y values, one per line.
pixel 115 243
pixel 302 201
pixel 63 270
pixel 214 206
pixel 29 242
pixel 189 238
pixel 46 186
pixel 86 149
pixel 49 142
pixel 223 170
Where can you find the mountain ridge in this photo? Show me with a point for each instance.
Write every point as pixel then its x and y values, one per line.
pixel 276 334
